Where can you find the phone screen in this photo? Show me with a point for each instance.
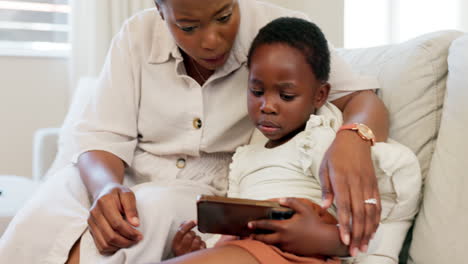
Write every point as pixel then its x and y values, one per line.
pixel 231 216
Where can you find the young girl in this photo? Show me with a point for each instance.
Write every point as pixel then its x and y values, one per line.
pixel 289 68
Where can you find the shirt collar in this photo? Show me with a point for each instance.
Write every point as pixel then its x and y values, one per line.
pixel 163 45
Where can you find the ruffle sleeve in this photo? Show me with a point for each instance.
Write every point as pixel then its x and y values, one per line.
pixel 234 173
pixel 317 137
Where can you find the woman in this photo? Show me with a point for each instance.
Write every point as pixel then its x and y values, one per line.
pixel 170 105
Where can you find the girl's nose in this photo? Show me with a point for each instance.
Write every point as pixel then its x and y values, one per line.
pixel 268 107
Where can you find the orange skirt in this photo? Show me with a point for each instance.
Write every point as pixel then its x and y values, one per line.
pixel 267 254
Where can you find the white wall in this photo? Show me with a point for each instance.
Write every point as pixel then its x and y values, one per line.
pixel 463 15
pixel 371 23
pixel 328 14
pixel 33 94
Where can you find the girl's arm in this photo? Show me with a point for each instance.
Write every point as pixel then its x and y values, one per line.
pixel 310 232
pixel 347 173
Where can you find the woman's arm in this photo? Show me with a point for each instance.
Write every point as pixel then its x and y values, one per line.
pixel 113 214
pixel 347 173
pixel 365 107
pixel 99 169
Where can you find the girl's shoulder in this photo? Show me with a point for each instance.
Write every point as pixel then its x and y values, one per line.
pixel 317 137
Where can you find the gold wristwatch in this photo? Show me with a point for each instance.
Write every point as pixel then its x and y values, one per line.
pixel 362 130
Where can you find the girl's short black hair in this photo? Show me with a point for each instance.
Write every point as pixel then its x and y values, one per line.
pixel 300 34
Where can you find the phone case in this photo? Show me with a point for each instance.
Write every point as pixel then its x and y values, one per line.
pixel 229 216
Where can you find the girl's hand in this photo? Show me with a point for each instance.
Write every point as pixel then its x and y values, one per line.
pixel 296 235
pixel 113 218
pixel 347 176
pixel 186 241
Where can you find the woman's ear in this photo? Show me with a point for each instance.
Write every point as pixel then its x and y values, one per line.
pixel 321 95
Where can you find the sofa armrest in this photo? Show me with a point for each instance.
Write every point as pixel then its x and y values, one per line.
pixel 45 146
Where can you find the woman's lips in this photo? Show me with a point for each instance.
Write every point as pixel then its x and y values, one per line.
pixel 216 60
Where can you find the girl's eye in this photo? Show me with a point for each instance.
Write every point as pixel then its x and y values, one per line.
pixel 188 29
pixel 286 97
pixel 256 93
pixel 224 18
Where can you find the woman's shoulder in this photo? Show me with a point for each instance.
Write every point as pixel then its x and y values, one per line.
pixel 143 25
pixel 268 11
pixel 146 35
pixel 146 18
pixel 256 14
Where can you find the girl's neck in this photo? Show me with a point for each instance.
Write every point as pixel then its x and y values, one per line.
pixel 278 142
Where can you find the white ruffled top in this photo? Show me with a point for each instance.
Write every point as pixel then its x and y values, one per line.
pixel 289 170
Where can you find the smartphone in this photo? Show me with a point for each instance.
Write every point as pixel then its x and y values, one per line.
pixel 229 216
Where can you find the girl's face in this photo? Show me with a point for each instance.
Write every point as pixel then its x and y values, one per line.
pixel 204 29
pixel 283 92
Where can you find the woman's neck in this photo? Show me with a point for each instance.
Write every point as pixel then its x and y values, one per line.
pixel 195 70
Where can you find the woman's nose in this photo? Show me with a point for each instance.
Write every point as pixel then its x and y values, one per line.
pixel 211 40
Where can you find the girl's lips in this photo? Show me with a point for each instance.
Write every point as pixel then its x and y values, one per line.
pixel 268 127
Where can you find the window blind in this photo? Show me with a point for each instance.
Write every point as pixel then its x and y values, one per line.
pixel 34 27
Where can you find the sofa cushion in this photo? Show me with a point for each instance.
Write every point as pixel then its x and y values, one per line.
pixel 412 76
pixel 440 233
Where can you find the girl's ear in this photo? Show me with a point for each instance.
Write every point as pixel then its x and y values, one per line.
pixel 321 95
pixel 159 9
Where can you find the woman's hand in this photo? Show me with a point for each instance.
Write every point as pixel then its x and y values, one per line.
pixel 113 218
pixel 347 176
pixel 308 233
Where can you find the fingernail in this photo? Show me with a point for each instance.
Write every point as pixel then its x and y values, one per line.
pixel 364 248
pixel 325 204
pixel 346 239
pixel 283 200
pixel 354 252
pixel 250 225
pixel 135 220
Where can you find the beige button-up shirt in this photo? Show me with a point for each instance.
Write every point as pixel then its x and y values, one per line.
pixel 150 113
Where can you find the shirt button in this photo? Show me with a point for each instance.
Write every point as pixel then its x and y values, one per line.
pixel 197 123
pixel 180 163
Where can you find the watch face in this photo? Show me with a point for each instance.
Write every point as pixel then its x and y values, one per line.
pixel 365 131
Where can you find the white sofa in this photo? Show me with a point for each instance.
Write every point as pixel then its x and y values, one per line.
pixel 424 85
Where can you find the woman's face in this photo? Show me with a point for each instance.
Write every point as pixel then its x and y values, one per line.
pixel 204 29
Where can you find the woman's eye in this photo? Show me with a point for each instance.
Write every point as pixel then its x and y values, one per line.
pixel 287 97
pixel 224 18
pixel 188 29
pixel 256 93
